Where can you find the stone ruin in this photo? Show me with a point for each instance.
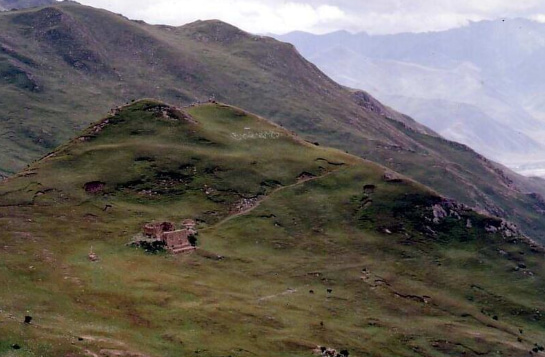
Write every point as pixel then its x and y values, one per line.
pixel 155 230
pixel 175 240
pixel 330 352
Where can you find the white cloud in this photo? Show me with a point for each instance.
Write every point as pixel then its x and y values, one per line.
pixel 251 15
pixel 374 16
pixel 539 18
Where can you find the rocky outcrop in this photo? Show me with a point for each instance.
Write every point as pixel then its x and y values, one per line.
pixel 370 104
pixel 169 112
pixel 365 100
pixel 392 177
pixel 507 229
pixel 447 208
pixel 244 205
pixel 305 176
pixel 539 202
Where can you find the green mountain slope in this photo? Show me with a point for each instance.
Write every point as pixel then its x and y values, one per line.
pixel 59 64
pixel 6 5
pixel 299 246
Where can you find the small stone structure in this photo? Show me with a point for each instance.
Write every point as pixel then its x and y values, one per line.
pixel 189 224
pixel 176 241
pixel 155 230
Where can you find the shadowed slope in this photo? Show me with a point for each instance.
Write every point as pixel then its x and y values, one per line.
pixel 23 4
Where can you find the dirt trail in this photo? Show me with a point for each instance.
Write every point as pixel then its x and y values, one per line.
pixel 265 198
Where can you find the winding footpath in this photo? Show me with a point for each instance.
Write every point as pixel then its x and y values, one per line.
pixel 265 198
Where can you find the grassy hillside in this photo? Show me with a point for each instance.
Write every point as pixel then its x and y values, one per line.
pixel 59 64
pixel 23 4
pixel 333 250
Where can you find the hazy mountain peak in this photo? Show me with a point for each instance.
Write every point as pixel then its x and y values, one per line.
pixel 489 72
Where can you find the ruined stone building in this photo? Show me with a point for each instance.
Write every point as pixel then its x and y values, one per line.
pixel 176 241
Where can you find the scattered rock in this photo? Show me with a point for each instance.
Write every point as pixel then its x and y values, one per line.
pixel 392 177
pixel 100 126
pixel 28 319
pixel 491 229
pixel 539 205
pixel 244 205
pixel 439 214
pixel 170 113
pixel 305 176
pixel 505 228
pixel 364 100
pixel 93 256
pixel 329 352
pixel 16 346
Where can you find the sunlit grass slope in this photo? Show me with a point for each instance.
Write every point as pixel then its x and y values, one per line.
pixel 331 253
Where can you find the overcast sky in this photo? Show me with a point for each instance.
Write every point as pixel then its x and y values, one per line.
pixel 320 16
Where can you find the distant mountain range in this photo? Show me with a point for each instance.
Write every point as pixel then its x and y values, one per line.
pixel 482 85
pixel 6 5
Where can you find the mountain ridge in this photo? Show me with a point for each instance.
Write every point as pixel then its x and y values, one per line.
pixel 114 60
